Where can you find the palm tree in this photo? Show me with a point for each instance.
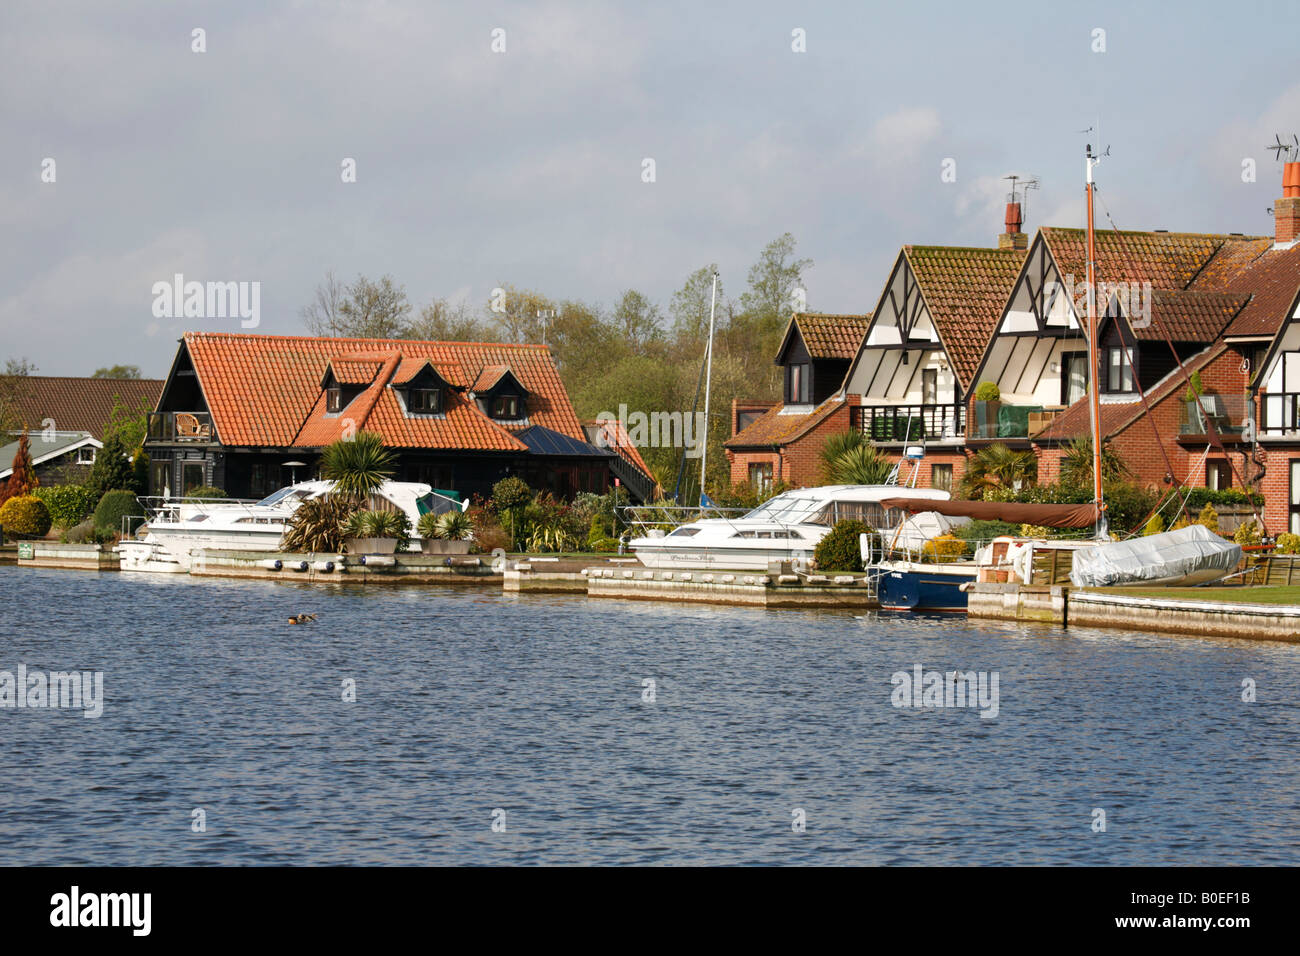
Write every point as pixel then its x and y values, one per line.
pixel 997 466
pixel 357 466
pixel 835 446
pixel 1076 464
pixel 859 464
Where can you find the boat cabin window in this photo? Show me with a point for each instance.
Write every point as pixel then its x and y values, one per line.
pixel 788 508
pixel 683 532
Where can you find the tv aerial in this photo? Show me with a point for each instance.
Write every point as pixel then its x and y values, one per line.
pixel 1022 194
pixel 1283 151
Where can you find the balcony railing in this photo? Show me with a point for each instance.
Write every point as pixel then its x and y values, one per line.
pixel 994 420
pixel 1279 413
pixel 1228 413
pixel 180 426
pixel 904 423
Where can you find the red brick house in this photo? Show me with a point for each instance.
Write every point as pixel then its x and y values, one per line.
pixel 237 410
pixel 782 441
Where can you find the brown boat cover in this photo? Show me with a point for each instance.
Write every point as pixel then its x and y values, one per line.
pixel 1049 516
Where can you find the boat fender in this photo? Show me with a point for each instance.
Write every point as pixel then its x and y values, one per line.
pixel 300 566
pixel 326 566
pixel 966 587
pixel 273 565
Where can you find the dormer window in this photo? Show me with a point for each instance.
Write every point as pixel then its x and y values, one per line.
pixel 425 401
pixel 334 399
pixel 796 384
pixel 1120 371
pixel 505 406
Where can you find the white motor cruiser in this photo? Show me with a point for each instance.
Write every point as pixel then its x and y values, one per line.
pixel 176 529
pixel 785 528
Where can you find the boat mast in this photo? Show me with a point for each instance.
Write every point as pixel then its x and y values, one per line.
pixel 1094 387
pixel 708 380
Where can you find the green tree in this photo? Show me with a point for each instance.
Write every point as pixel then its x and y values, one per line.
pixel 773 278
pixel 443 321
pixel 689 306
pixel 1076 464
pixel 113 469
pixel 118 371
pixel 637 320
pixel 363 308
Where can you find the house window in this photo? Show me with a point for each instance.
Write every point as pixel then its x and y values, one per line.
pixel 760 476
pixel 505 406
pixel 929 386
pixel 796 384
pixel 1293 513
pixel 192 477
pixel 426 401
pixel 86 455
pixel 333 399
pixel 1074 376
pixel 1218 475
pixel 941 477
pixel 1120 378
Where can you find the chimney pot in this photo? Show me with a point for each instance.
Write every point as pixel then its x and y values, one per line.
pixel 1286 211
pixel 1013 220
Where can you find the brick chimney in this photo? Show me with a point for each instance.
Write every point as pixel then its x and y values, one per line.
pixel 1013 238
pixel 1286 211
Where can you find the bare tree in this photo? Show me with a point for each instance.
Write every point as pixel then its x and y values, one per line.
pixel 322 316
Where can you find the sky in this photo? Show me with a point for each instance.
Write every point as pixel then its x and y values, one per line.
pixel 476 168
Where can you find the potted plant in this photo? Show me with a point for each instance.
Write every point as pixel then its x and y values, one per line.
pixel 448 533
pixel 988 402
pixel 375 532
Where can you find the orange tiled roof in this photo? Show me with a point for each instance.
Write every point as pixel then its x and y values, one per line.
pixel 75 404
pixel 1168 260
pixel 772 428
pixel 1273 281
pixel 1189 316
pixel 828 336
pixel 965 290
pixel 489 377
pixel 265 390
pixel 354 371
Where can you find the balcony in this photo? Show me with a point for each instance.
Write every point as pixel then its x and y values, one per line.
pixel 180 426
pixel 1001 420
pixel 1227 413
pixel 904 423
pixel 1279 414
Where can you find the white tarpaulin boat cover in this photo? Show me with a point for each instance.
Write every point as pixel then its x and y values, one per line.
pixel 1191 555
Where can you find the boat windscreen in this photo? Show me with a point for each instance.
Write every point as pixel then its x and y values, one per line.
pixel 277 496
pixel 789 508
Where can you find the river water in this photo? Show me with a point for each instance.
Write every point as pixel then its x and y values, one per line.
pixel 474 708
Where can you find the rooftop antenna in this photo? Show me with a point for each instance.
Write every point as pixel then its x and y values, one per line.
pixel 1285 152
pixel 1022 196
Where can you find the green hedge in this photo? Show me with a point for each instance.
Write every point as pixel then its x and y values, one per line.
pixel 841 549
pixel 112 508
pixel 67 504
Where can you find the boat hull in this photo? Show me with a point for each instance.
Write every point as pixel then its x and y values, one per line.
pixel 922 588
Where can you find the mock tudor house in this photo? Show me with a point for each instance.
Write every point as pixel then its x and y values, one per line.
pixel 901 374
pixel 1172 306
pixel 250 413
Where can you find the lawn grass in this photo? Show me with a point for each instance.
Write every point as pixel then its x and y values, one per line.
pixel 1275 594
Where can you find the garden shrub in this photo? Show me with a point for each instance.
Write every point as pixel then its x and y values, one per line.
pixel 67 504
pixel 988 392
pixel 944 547
pixel 1288 543
pixel 112 508
pixel 841 548
pixel 25 516
pixel 1209 517
pixel 1155 526
pixel 1247 533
